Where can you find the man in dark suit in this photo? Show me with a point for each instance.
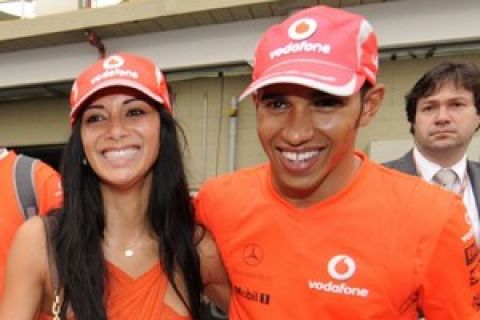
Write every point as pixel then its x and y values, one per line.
pixel 443 109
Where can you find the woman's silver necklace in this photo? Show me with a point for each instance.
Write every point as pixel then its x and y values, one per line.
pixel 130 250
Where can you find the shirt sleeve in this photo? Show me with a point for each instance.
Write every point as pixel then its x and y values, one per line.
pixel 451 287
pixel 48 188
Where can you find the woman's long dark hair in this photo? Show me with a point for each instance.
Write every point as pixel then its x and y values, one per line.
pixel 78 237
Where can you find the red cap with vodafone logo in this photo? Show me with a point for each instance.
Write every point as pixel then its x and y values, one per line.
pixel 124 70
pixel 323 48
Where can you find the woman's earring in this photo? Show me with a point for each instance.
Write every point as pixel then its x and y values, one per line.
pixel 84 162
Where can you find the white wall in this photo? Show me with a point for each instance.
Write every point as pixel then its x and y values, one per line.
pixel 180 49
pixel 45 7
pixel 414 22
pixel 398 23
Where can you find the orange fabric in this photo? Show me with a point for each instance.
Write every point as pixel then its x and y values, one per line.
pixel 141 298
pixel 49 195
pixel 133 299
pixel 381 246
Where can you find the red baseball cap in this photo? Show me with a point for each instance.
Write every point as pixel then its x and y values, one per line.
pixel 124 70
pixel 323 48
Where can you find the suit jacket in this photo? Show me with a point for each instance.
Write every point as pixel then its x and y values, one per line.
pixel 406 164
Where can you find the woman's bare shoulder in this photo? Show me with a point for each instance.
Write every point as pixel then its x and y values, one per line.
pixel 30 245
pixel 32 234
pixel 26 272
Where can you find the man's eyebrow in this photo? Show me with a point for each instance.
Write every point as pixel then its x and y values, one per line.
pixel 458 98
pixel 278 95
pixel 321 94
pixel 269 96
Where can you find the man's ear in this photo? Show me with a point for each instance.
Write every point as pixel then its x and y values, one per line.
pixel 372 102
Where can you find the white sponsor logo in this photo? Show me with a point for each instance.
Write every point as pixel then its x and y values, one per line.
pixel 304 46
pixel 340 267
pixel 302 29
pixel 113 62
pixel 112 68
pixel 115 72
pixel 341 288
pixel 345 260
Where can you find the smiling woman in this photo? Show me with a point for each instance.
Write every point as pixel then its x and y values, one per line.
pixel 119 131
pixel 125 245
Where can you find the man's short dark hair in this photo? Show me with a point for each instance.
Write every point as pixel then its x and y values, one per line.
pixel 462 74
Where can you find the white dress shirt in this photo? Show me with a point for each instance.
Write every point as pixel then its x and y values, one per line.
pixel 3 153
pixel 427 169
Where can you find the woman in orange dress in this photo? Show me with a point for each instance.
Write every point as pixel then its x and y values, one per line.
pixel 125 245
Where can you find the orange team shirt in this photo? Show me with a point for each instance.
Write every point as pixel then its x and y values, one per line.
pixel 133 299
pixel 49 194
pixel 383 245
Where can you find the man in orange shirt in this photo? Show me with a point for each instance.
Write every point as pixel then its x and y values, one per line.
pixel 320 231
pixel 46 189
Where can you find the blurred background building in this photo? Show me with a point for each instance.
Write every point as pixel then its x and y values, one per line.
pixel 205 47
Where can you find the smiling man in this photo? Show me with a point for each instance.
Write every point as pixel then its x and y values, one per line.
pixel 443 109
pixel 320 231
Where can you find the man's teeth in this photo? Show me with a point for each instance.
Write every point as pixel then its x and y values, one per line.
pixel 299 156
pixel 120 153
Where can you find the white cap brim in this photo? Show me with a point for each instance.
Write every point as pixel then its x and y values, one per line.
pixel 115 83
pixel 347 89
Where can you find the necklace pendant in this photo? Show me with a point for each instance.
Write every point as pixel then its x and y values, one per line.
pixel 128 253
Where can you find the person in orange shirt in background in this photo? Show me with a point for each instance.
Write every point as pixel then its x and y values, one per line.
pixel 125 245
pixel 321 231
pixel 23 178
